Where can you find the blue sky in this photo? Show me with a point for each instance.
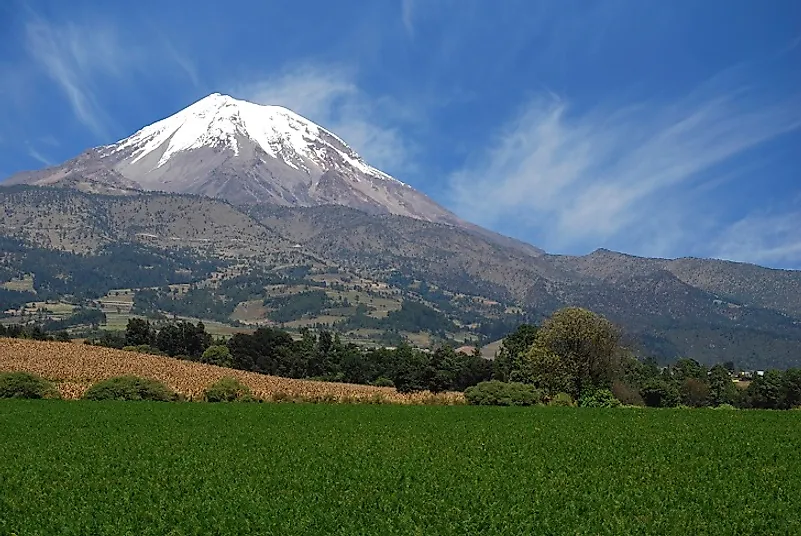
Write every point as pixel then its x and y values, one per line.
pixel 653 128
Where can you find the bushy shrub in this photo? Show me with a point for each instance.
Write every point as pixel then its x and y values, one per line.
pixel 497 393
pixel 25 385
pixel 228 389
pixel 130 388
pixel 602 398
pixel 658 393
pixel 383 382
pixel 628 395
pixel 725 407
pixel 561 400
pixel 217 354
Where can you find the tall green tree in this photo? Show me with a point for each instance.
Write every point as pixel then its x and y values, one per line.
pixel 509 364
pixel 792 381
pixel 767 392
pixel 584 346
pixel 441 370
pixel 686 368
pixel 721 387
pixel 217 354
pixel 408 376
pixel 266 350
pixel 660 393
pixel 694 392
pixel 139 332
pixel 546 370
pixel 471 370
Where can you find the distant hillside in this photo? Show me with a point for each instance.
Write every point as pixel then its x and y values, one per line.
pixel 72 220
pixel 468 283
pixel 738 282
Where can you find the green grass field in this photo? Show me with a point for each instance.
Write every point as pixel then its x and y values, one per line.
pixel 118 322
pixel 24 284
pixel 73 468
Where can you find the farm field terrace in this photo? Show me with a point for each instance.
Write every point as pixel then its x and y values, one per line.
pixel 153 469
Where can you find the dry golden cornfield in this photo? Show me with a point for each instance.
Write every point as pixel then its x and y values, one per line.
pixel 74 367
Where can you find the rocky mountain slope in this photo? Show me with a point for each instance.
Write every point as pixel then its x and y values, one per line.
pixel 245 153
pixel 710 310
pixel 75 221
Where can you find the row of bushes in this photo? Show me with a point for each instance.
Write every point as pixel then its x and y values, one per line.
pixel 498 393
pixel 228 389
pixel 25 385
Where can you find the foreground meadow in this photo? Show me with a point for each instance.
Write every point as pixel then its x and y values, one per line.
pixel 155 469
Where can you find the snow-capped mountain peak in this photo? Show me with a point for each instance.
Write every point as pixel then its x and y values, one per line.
pixel 246 153
pixel 220 120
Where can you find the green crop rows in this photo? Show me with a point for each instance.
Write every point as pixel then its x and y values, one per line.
pixel 69 468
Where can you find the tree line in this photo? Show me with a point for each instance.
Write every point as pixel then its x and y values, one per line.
pixel 575 355
pixel 318 355
pixel 33 332
pixel 579 353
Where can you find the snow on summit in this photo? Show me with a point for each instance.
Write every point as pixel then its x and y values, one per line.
pixel 245 153
pixel 219 120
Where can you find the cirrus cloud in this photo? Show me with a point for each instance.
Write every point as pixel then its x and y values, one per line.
pixel 636 177
pixel 329 96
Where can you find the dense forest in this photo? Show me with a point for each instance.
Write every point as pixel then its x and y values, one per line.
pixel 57 273
pixel 14 299
pixel 321 356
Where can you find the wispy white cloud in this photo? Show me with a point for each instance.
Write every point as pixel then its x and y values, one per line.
pixel 72 56
pixel 770 238
pixel 312 91
pixel 579 179
pixel 407 16
pixel 329 96
pixel 39 157
pixel 82 56
pixel 49 140
pixel 184 62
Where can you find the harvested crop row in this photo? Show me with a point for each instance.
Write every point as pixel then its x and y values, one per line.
pixel 74 367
